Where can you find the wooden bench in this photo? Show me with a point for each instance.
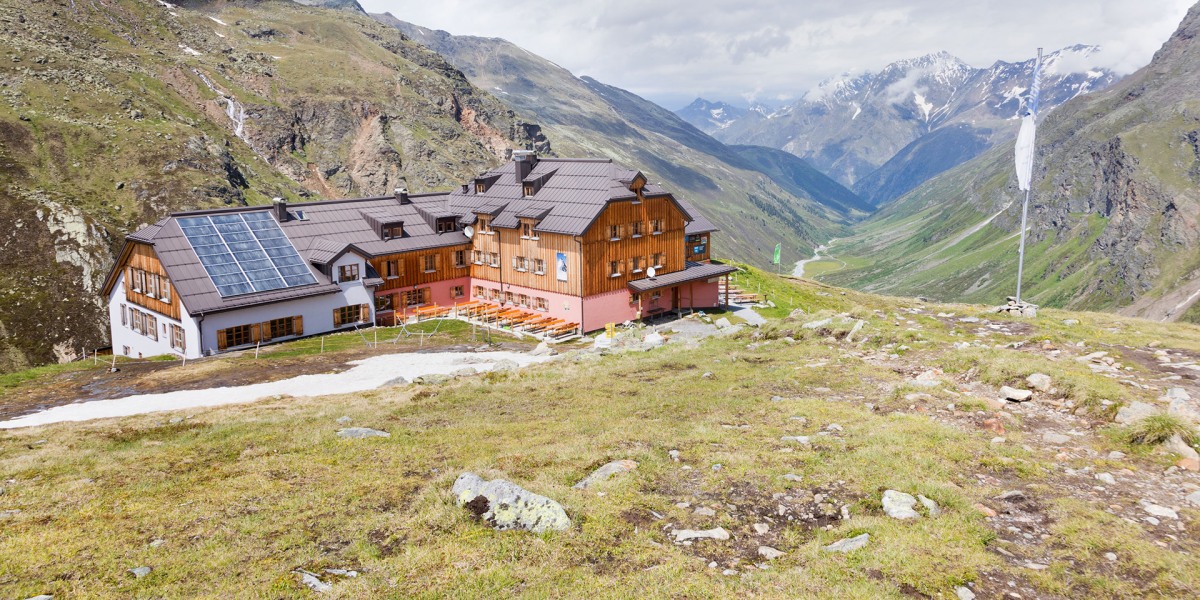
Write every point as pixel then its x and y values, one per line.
pixel 431 311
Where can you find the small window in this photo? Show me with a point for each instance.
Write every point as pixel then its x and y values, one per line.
pixel 523 300
pixel 509 297
pixel 447 225
pixel 238 335
pixel 494 259
pixel 494 294
pixel 384 303
pixel 391 269
pixel 614 268
pixel 542 304
pixel 348 273
pixel 430 263
pixel 654 296
pixel 636 228
pixel 165 292
pixel 460 258
pixel 477 257
pixel 480 188
pixel 457 291
pixel 480 292
pixel 485 225
pixel 656 226
pixel 392 231
pixel 635 298
pixel 521 264
pixel 277 328
pixel 614 232
pixel 527 231
pixel 659 260
pixel 354 313
pixel 124 317
pixel 638 263
pixel 539 266
pixel 528 189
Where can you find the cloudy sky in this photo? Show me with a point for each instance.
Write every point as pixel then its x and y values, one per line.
pixel 775 50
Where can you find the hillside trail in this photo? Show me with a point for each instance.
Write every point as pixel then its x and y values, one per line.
pixel 1084 465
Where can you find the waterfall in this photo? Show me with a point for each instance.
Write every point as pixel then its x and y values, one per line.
pixel 233 109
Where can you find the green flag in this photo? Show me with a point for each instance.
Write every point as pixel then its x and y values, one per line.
pixel 778 247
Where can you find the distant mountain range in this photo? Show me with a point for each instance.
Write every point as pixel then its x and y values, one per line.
pixel 884 133
pixel 1113 223
pixel 759 197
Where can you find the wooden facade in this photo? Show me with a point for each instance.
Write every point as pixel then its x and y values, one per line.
pixel 633 252
pixel 410 266
pixel 519 256
pixel 142 258
pixel 698 248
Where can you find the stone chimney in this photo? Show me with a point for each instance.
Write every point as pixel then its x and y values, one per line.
pixel 280 209
pixel 402 195
pixel 525 161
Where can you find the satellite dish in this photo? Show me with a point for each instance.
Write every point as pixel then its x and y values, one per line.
pixel 650 272
pixel 469 231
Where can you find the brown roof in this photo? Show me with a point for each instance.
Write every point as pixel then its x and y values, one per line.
pixel 693 271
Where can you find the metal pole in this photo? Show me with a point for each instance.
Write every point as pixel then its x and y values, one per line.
pixel 1021 248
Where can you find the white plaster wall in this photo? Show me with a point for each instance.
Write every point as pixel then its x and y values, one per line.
pixel 124 335
pixel 316 310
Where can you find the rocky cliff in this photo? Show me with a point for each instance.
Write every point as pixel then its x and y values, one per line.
pixel 1113 219
pixel 113 114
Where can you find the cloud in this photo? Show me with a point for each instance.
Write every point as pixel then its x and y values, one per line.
pixel 671 52
pixel 899 91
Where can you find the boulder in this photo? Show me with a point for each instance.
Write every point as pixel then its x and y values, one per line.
pixel 1039 381
pixel 1134 411
pixel 433 379
pixel 816 324
pixel 722 323
pixel 899 505
pixel 930 506
pixel 606 471
pixel 464 372
pixel 770 553
pixel 1194 498
pixel 1014 394
pixel 796 439
pixel 1158 511
pixel 716 533
pixel 653 340
pixel 543 349
pixel 1180 447
pixel 849 544
pixel 356 433
pixel 505 505
pixel 312 582
pixel 140 572
pixel 964 593
pixel 395 381
pixel 1057 439
pixel 505 364
pixel 1182 405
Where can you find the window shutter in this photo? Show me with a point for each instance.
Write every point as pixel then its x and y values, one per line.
pixel 265 327
pixel 221 341
pixel 298 324
pixel 364 311
pixel 255 333
pixel 437 261
pixel 128 279
pixel 337 318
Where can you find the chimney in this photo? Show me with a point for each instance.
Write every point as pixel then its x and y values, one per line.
pixel 524 160
pixel 280 209
pixel 402 195
pixel 465 188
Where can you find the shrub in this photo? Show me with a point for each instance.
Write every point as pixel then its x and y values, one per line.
pixel 1157 429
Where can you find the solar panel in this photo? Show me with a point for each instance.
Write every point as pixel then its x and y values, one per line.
pixel 245 253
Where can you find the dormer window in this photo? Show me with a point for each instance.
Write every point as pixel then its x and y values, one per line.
pixel 527 231
pixel 480 188
pixel 528 189
pixel 445 225
pixel 393 230
pixel 485 225
pixel 348 273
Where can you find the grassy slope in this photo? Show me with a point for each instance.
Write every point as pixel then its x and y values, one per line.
pixel 244 495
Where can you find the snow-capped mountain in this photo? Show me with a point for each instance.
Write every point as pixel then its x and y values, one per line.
pixel 852 125
pixel 711 116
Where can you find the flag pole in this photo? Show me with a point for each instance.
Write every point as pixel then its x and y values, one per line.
pixel 1028 169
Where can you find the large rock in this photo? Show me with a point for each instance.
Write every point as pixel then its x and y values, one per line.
pixel 899 505
pixel 543 349
pixel 355 433
pixel 849 544
pixel 722 323
pixel 1180 447
pixel 653 340
pixel 1182 404
pixel 1135 411
pixel 606 471
pixel 505 364
pixel 1039 381
pixel 1014 394
pixel 505 505
pixel 716 533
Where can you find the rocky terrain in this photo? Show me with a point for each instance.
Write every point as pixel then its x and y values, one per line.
pixel 113 114
pixel 850 445
pixel 1113 216
pixel 884 133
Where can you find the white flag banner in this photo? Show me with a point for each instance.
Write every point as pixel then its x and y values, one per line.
pixel 1025 152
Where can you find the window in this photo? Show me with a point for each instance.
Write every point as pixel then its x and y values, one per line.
pixel 528 189
pixel 477 257
pixel 393 230
pixel 384 303
pixel 636 228
pixel 348 273
pixel 143 323
pixel 638 264
pixel 655 295
pixel 460 258
pixel 542 304
pixel 614 268
pixel 392 268
pixel 446 225
pixel 165 292
pixel 151 285
pixel 614 232
pixel 431 263
pixel 520 263
pixel 238 335
pixel 480 292
pixel 494 259
pixel 277 328
pixel 480 188
pixel 539 266
pixel 485 225
pixel 415 297
pixel 508 297
pixel 527 231
pixel 659 260
pixel 457 291
pixel 656 226
pixel 494 294
pixel 355 313
pixel 635 298
pixel 523 300
pixel 124 317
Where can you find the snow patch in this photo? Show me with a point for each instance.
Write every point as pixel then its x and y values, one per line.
pixel 219 22
pixel 189 50
pixel 925 106
pixel 367 374
pixel 857 111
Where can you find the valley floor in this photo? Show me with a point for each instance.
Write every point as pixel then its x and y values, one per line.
pixel 1040 499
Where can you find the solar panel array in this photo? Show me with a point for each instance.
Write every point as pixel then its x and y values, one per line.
pixel 245 253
